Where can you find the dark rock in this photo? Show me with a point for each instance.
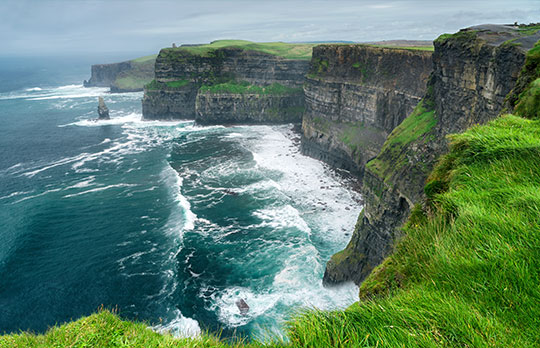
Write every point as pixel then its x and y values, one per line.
pixel 242 306
pixel 103 110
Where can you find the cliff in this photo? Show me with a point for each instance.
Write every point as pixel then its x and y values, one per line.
pixel 128 76
pixel 473 71
pixel 355 96
pixel 218 83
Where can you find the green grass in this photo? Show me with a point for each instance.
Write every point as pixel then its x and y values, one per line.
pixel 416 126
pixel 141 73
pixel 132 81
pixel 467 273
pixel 526 29
pixel 106 330
pixel 244 87
pixel 281 49
pixel 145 59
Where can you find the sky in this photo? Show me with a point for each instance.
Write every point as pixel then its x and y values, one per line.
pixel 55 27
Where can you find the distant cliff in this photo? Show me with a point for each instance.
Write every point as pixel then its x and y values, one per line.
pixel 128 76
pixel 355 96
pixel 473 72
pixel 217 83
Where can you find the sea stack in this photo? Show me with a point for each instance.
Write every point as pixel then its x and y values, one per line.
pixel 103 110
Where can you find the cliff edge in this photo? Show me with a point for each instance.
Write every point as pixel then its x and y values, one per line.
pixel 473 71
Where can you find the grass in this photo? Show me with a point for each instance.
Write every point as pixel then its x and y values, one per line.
pixel 415 127
pixel 528 29
pixel 141 73
pixel 132 81
pixel 145 59
pixel 280 49
pixel 244 87
pixel 467 273
pixel 106 330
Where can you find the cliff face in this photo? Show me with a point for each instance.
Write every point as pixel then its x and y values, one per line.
pixel 355 96
pixel 180 74
pixel 473 71
pixel 129 76
pixel 229 108
pixel 103 75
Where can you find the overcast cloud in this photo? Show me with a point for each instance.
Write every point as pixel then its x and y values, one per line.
pixel 76 26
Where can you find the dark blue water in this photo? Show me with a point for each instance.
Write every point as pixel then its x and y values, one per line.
pixel 168 222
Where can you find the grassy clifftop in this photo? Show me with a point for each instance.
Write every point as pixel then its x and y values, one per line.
pixel 280 49
pixel 141 73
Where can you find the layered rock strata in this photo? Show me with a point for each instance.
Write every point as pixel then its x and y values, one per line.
pixel 473 71
pixel 355 96
pixel 180 74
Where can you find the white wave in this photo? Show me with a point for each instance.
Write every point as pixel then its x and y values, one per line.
pixel 282 217
pixel 61 92
pixel 174 181
pixel 16 194
pixel 234 135
pixel 54 164
pixel 82 184
pixel 179 327
pixel 35 196
pixel 98 189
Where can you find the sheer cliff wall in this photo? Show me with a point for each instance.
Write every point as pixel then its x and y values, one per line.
pixel 225 85
pixel 355 96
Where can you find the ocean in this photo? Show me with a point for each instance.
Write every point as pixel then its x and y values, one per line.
pixel 165 222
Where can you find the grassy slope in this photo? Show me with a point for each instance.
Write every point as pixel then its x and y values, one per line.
pixel 141 73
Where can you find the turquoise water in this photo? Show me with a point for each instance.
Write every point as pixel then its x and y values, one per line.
pixel 167 221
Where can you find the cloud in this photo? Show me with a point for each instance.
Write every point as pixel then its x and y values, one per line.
pixel 57 26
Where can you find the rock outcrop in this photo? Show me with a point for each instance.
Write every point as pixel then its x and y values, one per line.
pixel 103 110
pixel 355 96
pixel 473 71
pixel 129 76
pixel 239 79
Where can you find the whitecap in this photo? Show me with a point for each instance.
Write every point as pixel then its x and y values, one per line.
pixel 180 326
pixel 174 182
pixel 98 189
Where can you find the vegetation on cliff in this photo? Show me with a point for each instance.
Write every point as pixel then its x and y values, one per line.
pixel 244 87
pixel 141 73
pixel 280 49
